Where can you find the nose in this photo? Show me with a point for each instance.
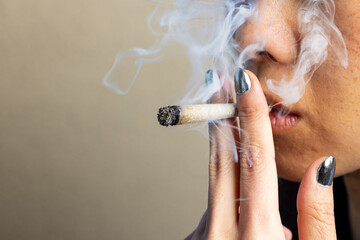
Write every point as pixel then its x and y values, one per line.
pixel 276 25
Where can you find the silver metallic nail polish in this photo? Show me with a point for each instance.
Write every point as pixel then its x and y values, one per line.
pixel 242 81
pixel 209 78
pixel 326 171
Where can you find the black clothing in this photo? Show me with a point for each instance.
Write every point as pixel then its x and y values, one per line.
pixel 287 200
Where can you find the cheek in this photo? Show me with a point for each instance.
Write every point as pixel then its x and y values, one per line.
pixel 347 18
pixel 333 128
pixel 296 151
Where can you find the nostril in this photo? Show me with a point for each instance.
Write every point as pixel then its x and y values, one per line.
pixel 267 55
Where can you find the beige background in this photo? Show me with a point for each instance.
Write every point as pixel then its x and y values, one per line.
pixel 76 160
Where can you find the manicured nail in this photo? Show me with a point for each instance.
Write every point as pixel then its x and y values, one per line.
pixel 209 79
pixel 326 171
pixel 242 81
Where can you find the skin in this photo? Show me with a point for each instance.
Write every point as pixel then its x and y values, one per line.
pixel 329 109
pixel 256 215
pixel 329 125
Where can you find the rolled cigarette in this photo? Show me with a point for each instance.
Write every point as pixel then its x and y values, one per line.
pixel 178 115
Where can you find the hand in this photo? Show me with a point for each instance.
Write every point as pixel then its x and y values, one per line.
pixel 243 185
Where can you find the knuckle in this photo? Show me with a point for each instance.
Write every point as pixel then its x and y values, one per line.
pixel 253 112
pixel 254 158
pixel 321 212
pixel 249 171
pixel 221 163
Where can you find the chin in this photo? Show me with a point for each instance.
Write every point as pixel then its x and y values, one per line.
pixel 292 160
pixel 290 172
pixel 292 165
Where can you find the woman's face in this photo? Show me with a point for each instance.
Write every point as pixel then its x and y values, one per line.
pixel 329 111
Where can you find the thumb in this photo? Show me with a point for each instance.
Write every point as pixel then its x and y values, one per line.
pixel 315 202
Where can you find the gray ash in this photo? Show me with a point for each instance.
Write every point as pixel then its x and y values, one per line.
pixel 169 116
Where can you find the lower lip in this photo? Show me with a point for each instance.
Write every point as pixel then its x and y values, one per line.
pixel 280 123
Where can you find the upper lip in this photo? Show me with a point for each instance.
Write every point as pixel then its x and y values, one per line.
pixel 275 104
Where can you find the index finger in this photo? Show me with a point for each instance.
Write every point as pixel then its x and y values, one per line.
pixel 258 176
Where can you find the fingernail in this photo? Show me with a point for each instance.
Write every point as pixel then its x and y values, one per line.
pixel 242 81
pixel 209 79
pixel 326 171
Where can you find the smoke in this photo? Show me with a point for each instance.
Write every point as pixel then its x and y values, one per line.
pixel 318 31
pixel 206 28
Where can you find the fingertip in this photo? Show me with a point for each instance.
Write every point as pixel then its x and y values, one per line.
pixel 315 202
pixel 244 81
pixel 325 172
pixel 251 75
pixel 220 87
pixel 310 190
pixel 320 172
pixel 250 96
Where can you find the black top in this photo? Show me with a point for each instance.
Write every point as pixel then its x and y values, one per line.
pixel 287 200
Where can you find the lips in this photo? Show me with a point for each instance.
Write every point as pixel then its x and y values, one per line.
pixel 282 118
